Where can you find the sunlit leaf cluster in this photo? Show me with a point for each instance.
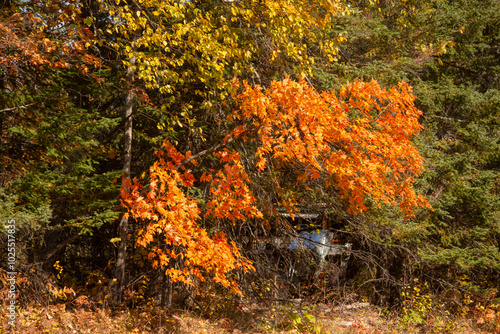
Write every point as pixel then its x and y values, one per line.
pixel 358 140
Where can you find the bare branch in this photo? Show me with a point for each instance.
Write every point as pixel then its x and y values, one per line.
pixel 205 152
pixel 20 107
pixel 450 119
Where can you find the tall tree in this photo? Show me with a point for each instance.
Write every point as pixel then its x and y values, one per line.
pixel 185 54
pixel 448 51
pixel 357 142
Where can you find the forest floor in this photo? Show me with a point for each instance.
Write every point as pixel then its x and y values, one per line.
pixel 354 318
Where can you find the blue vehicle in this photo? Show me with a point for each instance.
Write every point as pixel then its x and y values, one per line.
pixel 325 251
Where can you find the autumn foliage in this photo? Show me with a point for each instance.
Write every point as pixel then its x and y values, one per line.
pixel 225 171
pixel 32 38
pixel 173 216
pixel 357 141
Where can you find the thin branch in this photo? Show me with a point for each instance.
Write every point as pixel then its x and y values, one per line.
pixel 212 149
pixel 205 152
pixel 440 280
pixel 20 107
pixel 191 158
pixel 456 65
pixel 449 119
pixel 60 246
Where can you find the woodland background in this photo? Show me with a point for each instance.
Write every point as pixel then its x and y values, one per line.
pixel 92 92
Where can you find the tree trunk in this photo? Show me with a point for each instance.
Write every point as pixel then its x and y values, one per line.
pixel 127 159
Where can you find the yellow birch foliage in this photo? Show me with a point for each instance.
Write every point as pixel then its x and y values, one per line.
pixel 180 43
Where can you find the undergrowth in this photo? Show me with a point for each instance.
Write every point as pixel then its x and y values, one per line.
pixel 59 309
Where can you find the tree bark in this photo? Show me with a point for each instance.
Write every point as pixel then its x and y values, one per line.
pixel 119 273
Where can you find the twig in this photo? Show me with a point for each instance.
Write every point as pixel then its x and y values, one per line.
pixel 20 107
pixel 205 152
pixel 196 156
pixel 458 288
pixel 450 119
